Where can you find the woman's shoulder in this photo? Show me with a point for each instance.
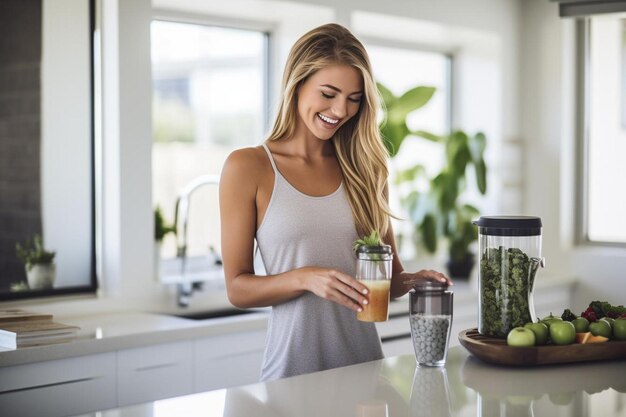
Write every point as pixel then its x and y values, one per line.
pixel 247 162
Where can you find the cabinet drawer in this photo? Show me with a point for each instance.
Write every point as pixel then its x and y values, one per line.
pixel 154 372
pixel 228 360
pixel 60 387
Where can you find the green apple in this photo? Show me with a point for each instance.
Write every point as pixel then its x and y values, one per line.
pixel 562 332
pixel 581 324
pixel 600 328
pixel 609 320
pixel 520 337
pixel 548 320
pixel 541 332
pixel 619 328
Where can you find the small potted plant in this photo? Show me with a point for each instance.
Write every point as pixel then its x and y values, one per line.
pixel 39 263
pixel 161 229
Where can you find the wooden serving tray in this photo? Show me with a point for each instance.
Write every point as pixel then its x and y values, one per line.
pixel 493 350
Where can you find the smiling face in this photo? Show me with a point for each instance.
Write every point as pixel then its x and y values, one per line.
pixel 327 100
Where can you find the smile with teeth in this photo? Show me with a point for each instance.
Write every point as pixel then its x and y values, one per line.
pixel 327 119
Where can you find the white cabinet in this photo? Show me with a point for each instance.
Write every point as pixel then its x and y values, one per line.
pixel 131 376
pixel 59 387
pixel 154 372
pixel 228 360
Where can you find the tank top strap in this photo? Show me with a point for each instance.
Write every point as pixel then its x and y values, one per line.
pixel 269 155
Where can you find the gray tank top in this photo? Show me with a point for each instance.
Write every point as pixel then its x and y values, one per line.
pixel 309 333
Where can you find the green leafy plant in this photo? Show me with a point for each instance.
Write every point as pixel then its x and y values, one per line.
pixel 161 228
pixel 437 212
pixel 20 286
pixel 371 241
pixel 33 253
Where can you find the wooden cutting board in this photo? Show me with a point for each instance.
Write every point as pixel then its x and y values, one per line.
pixel 493 350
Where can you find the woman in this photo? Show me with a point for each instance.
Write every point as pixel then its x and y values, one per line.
pixel 315 185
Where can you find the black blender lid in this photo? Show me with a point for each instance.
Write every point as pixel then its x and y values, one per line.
pixel 509 225
pixel 380 249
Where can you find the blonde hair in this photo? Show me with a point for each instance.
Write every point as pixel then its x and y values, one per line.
pixel 358 144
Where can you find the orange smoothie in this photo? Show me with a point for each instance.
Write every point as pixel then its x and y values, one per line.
pixel 378 307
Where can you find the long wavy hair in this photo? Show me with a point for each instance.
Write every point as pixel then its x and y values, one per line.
pixel 358 145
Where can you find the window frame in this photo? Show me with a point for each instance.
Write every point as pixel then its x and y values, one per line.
pixel 90 288
pixel 583 90
pixel 267 30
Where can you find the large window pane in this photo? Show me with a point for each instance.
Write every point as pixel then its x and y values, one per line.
pixel 606 140
pixel 208 99
pixel 400 69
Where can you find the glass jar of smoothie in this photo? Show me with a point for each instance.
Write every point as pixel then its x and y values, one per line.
pixel 373 269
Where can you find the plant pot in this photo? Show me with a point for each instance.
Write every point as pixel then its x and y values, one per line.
pixel 41 276
pixel 461 269
pixel 157 261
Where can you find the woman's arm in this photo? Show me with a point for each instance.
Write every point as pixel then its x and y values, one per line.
pixel 238 213
pixel 399 276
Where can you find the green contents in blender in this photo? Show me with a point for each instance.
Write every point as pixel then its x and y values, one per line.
pixel 507 276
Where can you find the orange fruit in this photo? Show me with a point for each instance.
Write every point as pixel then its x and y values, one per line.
pixel 582 337
pixel 588 337
pixel 596 339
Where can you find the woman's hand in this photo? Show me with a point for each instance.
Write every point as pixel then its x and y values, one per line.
pixel 406 280
pixel 335 286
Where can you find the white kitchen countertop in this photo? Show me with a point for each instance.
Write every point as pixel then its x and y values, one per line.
pixel 106 332
pixel 396 387
pixel 124 330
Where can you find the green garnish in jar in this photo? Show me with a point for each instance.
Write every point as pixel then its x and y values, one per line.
pixel 505 286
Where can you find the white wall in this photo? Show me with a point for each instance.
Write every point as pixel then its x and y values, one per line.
pixel 548 119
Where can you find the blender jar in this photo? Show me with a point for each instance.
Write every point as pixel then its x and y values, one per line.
pixel 431 321
pixel 510 254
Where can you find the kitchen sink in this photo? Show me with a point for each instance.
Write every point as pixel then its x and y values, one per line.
pixel 213 314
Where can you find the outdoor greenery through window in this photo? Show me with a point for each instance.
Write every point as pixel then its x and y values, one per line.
pixel 605 139
pixel 209 95
pixel 401 69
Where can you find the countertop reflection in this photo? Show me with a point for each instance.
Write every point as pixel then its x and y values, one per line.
pixel 396 387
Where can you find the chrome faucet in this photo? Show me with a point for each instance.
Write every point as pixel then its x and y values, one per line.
pixel 181 220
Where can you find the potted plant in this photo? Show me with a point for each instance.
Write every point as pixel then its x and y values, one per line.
pixel 161 229
pixel 439 211
pixel 39 263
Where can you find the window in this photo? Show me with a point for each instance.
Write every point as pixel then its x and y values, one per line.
pixel 603 47
pixel 400 69
pixel 47 147
pixel 209 98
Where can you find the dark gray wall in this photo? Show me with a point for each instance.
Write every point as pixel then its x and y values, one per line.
pixel 20 126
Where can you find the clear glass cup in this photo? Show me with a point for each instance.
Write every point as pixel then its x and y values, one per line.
pixel 431 321
pixel 510 255
pixel 430 394
pixel 373 269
